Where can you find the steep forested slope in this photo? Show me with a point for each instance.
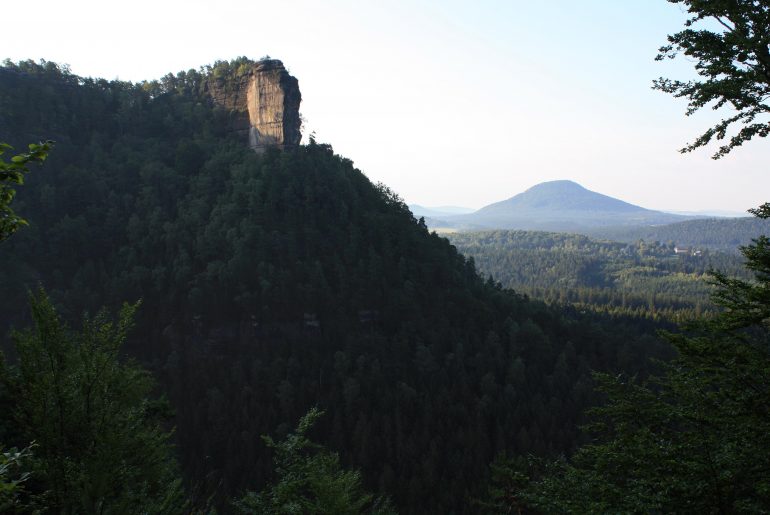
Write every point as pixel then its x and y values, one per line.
pixel 275 283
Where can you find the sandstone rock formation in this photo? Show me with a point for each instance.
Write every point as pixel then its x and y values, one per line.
pixel 263 102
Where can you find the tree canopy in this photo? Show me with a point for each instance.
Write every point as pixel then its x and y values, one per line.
pixel 729 40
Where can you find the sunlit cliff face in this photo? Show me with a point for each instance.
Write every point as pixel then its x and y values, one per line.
pixel 265 104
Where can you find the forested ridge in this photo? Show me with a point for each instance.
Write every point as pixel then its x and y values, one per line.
pixel 272 284
pixel 718 234
pixel 643 278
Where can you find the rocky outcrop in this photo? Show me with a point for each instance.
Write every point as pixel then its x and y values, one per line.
pixel 263 102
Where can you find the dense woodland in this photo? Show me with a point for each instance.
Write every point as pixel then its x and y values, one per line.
pixel 722 234
pixel 192 326
pixel 273 284
pixel 643 279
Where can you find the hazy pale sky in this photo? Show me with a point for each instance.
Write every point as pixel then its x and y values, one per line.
pixel 447 102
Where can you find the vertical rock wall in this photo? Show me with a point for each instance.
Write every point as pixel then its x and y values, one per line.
pixel 264 105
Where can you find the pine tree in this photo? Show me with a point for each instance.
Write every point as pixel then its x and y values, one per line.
pixel 310 480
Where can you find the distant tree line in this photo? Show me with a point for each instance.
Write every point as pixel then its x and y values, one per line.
pixel 716 234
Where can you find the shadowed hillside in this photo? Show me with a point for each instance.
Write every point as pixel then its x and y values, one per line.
pixel 277 282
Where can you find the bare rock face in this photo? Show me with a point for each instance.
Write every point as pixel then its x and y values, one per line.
pixel 263 102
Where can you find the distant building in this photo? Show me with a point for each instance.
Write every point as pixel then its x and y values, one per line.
pixel 689 251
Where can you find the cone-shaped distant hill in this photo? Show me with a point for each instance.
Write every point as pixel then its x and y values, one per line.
pixel 279 281
pixel 562 206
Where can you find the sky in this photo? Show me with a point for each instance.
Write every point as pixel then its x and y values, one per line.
pixel 446 102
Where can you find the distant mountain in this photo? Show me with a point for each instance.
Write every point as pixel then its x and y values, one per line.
pixel 438 212
pixel 561 206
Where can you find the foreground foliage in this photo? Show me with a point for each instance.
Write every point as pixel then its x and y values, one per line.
pixel 310 480
pixel 12 174
pixel 13 474
pixel 733 63
pixel 99 447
